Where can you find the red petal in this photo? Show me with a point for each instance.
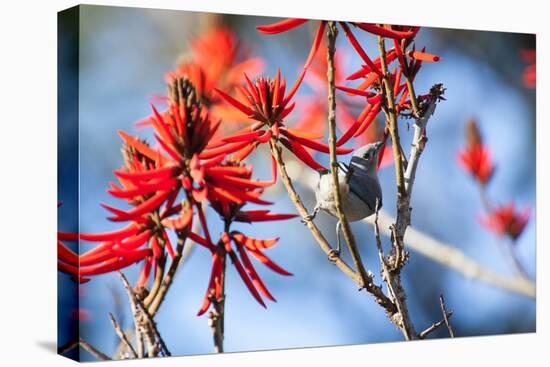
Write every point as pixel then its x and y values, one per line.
pixel 423 56
pixel 316 43
pixel 355 126
pixel 138 145
pixel 227 149
pixel 256 280
pixel 301 154
pixel 281 26
pixel 314 144
pixel 357 92
pixel 359 49
pixel 368 120
pixel 384 32
pixel 244 276
pixel 269 263
pixel 66 254
pixel 153 203
pixel 111 236
pixel 261 216
pixel 240 106
pixel 147 175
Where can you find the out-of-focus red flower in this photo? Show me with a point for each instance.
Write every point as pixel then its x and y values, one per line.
pixel 529 56
pixel 506 220
pixel 265 102
pixel 314 109
pixel 218 61
pixel 476 157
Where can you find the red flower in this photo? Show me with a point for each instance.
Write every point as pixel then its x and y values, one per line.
pixel 530 72
pixel 505 220
pixel 237 247
pixel 265 102
pixel 218 61
pixel 476 157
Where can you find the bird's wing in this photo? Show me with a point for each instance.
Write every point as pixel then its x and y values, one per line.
pixel 366 188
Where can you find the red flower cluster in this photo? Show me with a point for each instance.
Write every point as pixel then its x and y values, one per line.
pixel 476 157
pixel 152 181
pixel 218 61
pixel 409 63
pixel 265 102
pixel 505 220
pixel 476 160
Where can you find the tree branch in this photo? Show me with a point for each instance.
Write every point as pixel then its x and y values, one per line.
pixel 451 257
pixel 93 350
pixel 446 315
pixel 332 33
pixel 122 336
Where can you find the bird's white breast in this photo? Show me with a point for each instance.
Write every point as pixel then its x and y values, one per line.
pixel 354 208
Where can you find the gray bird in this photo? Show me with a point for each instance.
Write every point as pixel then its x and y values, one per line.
pixel 359 188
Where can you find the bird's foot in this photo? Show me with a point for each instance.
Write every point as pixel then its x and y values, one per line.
pixel 333 255
pixel 307 218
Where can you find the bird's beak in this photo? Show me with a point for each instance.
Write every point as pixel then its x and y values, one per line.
pixel 378 145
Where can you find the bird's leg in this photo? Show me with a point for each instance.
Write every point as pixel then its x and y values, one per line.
pixel 310 217
pixel 334 253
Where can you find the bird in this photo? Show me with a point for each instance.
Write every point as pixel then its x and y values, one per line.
pixel 360 191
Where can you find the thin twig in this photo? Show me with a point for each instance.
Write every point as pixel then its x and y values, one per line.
pixel 332 33
pixel 67 347
pixel 93 350
pixel 122 336
pixel 424 334
pixel 135 316
pixel 392 118
pixel 446 316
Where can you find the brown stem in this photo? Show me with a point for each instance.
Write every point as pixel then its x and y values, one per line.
pixel 332 33
pixel 392 119
pixel 217 316
pixel 392 274
pixel 157 283
pixel 446 316
pixel 169 277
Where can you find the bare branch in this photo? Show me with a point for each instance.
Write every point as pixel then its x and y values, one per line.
pixel 145 325
pixel 424 334
pixel 332 33
pixel 93 350
pixel 446 316
pixel 122 336
pixel 450 256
